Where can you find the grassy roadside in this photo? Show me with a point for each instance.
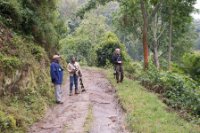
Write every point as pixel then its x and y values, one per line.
pixel 145 111
pixel 19 111
pixel 89 120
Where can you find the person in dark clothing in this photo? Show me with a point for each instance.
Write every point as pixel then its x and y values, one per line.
pixel 56 72
pixel 118 67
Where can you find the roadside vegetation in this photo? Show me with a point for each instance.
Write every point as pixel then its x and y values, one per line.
pixel 29 34
pixel 159 42
pixel 89 120
pixel 145 111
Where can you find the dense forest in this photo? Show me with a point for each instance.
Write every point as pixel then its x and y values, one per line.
pixel 159 42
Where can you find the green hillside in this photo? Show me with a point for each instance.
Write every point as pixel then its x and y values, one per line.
pixel 159 42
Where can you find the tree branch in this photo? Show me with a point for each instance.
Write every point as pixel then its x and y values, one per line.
pixel 157 7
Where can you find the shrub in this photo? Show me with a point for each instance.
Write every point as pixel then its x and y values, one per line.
pixel 38 19
pixel 79 47
pixel 6 122
pixel 191 65
pixel 37 51
pixel 133 68
pixel 11 11
pixel 10 63
pixel 108 45
pixel 180 91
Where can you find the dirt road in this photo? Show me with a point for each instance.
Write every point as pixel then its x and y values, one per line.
pixel 95 111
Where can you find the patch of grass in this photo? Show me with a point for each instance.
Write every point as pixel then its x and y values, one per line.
pixel 89 119
pixel 146 113
pixel 10 63
pixel 20 111
pixel 6 121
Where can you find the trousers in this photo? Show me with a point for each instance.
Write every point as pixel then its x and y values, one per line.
pixel 73 82
pixel 58 92
pixel 119 73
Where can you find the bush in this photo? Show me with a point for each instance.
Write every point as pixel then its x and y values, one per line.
pixel 37 51
pixel 80 48
pixel 181 92
pixel 191 65
pixel 38 19
pixel 108 45
pixel 133 68
pixel 11 11
pixel 6 122
pixel 10 63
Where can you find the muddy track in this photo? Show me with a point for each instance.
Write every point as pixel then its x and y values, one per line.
pixel 72 116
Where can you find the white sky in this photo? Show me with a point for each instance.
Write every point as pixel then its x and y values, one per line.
pixel 197 6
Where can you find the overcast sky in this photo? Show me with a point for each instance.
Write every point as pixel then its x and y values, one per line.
pixel 196 15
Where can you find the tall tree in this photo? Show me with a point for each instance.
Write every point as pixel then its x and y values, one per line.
pixel 142 16
pixel 177 14
pixel 158 27
pixel 170 37
pixel 147 13
pixel 144 32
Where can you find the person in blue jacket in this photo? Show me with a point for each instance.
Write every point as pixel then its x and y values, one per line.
pixel 56 72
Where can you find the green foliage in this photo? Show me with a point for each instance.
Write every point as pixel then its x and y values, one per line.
pixel 129 22
pixel 6 122
pixel 23 109
pixel 191 65
pixel 108 44
pixel 83 42
pixel 39 19
pixel 197 45
pixel 133 68
pixel 10 12
pixel 92 28
pixel 9 63
pixel 181 92
pixel 80 48
pixel 37 52
pixel 16 54
pixel 90 5
pixel 184 43
pixel 25 81
pixel 145 112
pixel 27 27
pixel 23 106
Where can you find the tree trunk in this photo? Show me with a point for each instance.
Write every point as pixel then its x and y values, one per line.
pixel 170 41
pixel 155 56
pixel 155 42
pixel 144 32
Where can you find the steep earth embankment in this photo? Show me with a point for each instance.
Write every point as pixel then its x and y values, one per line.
pixel 25 88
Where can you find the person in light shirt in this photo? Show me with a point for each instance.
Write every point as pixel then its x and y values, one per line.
pixel 74 73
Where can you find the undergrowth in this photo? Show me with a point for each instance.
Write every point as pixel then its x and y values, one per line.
pixel 180 92
pixel 25 85
pixel 18 112
pixel 146 113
